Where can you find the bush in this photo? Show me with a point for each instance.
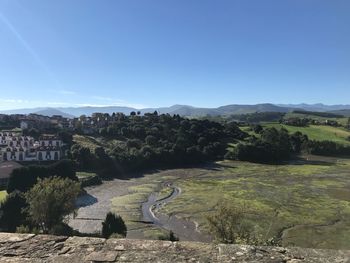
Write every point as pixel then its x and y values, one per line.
pixel 25 229
pixel 113 224
pixel 229 224
pixel 169 236
pixel 11 212
pixel 61 229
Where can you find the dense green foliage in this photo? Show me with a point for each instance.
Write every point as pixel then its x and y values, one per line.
pixel 153 141
pixel 258 117
pixel 328 148
pixel 9 122
pixel 271 147
pixel 50 200
pixel 113 224
pixel 12 213
pixel 24 178
pixel 320 114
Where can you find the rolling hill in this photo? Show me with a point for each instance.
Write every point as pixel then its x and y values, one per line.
pixel 186 110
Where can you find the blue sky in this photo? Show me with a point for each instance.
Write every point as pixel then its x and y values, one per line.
pixel 159 52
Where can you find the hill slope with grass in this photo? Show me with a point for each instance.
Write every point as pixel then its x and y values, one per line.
pixel 318 132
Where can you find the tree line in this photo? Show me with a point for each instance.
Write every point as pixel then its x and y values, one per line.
pixel 152 141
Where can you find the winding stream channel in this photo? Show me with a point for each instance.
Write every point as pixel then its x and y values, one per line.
pixel 95 204
pixel 183 229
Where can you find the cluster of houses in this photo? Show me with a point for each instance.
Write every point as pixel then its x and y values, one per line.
pixel 39 121
pixel 16 147
pixel 86 124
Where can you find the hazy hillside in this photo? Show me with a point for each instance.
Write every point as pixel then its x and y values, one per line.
pixel 345 113
pixel 186 110
pixel 243 109
pixel 316 107
pixel 90 110
pixel 51 111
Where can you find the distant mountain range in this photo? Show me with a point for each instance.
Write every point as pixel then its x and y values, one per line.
pixel 185 110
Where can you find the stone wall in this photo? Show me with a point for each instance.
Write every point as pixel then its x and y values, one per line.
pixel 44 248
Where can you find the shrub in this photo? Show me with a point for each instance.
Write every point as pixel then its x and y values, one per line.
pixel 11 212
pixel 235 223
pixel 113 224
pixel 229 225
pixel 169 236
pixel 61 229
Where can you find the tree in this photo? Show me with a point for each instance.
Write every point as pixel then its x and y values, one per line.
pixel 151 140
pixel 11 212
pixel 24 178
pixel 258 129
pixel 113 224
pixel 50 200
pixel 229 224
pixel 64 169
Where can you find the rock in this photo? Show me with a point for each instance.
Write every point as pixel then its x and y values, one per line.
pixel 102 256
pixel 55 249
pixel 9 237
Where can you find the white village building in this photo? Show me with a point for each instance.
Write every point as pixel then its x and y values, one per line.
pixel 16 147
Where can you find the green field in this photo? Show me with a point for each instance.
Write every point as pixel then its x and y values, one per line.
pixel 3 195
pixel 312 197
pixel 85 174
pixel 342 121
pixel 318 132
pixel 128 206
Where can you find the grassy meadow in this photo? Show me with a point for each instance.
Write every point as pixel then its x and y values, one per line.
pixel 3 195
pixel 129 205
pixel 318 132
pixel 343 121
pixel 312 197
pixel 308 199
pixel 85 174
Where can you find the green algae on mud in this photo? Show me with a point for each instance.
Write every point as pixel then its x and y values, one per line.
pixel 302 194
pixel 308 194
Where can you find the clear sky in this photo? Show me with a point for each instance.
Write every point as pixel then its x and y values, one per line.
pixel 163 52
